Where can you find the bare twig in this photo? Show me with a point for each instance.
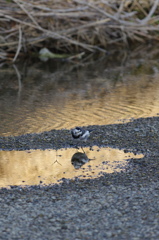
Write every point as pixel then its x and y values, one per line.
pixel 29 15
pixel 19 79
pixel 74 25
pixel 85 26
pixel 19 44
pixel 53 34
pixel 153 9
pixel 120 9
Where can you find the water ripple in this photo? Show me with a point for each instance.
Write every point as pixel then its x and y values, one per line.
pixel 40 112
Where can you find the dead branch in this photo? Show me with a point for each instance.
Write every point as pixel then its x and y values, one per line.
pixel 75 25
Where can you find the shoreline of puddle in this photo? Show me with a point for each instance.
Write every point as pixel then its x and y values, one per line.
pixel 45 167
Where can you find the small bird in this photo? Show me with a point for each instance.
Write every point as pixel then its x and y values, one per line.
pixel 80 133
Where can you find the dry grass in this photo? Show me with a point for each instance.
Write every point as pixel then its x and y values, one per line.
pixel 74 25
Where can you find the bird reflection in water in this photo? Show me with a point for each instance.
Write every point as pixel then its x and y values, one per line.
pixel 79 159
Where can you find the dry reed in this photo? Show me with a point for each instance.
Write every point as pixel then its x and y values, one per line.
pixel 74 25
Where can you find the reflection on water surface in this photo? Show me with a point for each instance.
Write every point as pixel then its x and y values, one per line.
pixel 50 166
pixel 67 96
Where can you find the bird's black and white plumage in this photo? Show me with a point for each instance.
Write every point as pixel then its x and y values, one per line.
pixel 80 133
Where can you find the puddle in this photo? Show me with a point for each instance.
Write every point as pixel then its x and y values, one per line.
pixel 49 166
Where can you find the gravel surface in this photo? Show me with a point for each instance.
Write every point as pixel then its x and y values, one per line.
pixel 116 206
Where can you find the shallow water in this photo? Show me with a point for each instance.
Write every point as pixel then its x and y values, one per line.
pixel 58 95
pixel 61 97
pixel 46 167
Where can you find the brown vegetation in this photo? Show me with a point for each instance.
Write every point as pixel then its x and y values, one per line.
pixel 74 25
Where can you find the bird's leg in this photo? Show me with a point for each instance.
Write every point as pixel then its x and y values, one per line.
pixel 83 150
pixel 77 147
pixel 86 155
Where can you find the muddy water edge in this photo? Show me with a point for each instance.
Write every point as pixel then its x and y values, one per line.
pixel 118 206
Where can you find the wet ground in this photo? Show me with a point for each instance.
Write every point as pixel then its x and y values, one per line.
pixel 120 205
pixel 117 205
